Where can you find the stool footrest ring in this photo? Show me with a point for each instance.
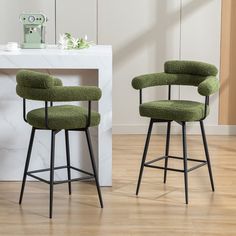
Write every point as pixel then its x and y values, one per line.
pixel 31 174
pixel 148 164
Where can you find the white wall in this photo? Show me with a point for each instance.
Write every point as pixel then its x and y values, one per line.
pixel 200 40
pixel 144 34
pixel 10 27
pixel 78 17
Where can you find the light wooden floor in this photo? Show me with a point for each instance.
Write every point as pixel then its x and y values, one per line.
pixel 159 210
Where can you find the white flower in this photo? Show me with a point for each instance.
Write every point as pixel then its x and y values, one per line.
pixel 74 42
pixel 63 41
pixel 66 41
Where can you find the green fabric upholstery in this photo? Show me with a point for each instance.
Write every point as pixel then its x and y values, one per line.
pixel 190 73
pixel 40 86
pixel 33 79
pixel 62 117
pixel 158 79
pixel 209 86
pixel 182 73
pixel 57 82
pixel 178 110
pixel 61 94
pixel 191 68
pixel 43 87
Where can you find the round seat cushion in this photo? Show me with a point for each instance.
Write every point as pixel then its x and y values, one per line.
pixel 177 110
pixel 62 117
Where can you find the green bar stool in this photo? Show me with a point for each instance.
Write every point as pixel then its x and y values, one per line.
pixel 43 87
pixel 192 73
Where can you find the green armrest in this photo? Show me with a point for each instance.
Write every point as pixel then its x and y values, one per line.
pixel 60 94
pixel 149 80
pixel 209 86
pixel 33 79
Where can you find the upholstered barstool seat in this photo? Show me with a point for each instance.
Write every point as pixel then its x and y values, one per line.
pixel 63 117
pixel 178 110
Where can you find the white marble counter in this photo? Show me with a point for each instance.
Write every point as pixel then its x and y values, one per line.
pixel 54 58
pixel 91 66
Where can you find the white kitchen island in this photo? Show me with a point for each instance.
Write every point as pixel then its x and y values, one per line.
pixel 92 66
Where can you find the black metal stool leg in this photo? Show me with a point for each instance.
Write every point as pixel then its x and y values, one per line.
pixel 27 163
pixel 167 149
pixel 144 155
pixel 207 155
pixel 68 159
pixel 185 161
pixel 93 165
pixel 53 135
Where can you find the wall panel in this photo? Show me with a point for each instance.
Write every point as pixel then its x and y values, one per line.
pixel 10 27
pixel 144 34
pixel 200 40
pixel 78 17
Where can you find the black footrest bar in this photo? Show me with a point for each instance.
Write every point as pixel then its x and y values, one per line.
pixel 60 181
pixel 174 157
pixel 82 171
pixel 58 168
pixel 31 174
pixel 157 159
pixel 198 166
pixel 163 168
pixel 38 178
pixel 72 180
pixel 189 159
pixel 173 169
pixel 46 169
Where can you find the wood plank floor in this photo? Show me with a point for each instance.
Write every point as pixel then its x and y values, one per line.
pixel 159 209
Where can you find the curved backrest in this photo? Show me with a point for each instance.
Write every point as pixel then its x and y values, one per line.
pixel 33 79
pixel 44 87
pixel 33 82
pixel 36 80
pixel 189 72
pixel 190 67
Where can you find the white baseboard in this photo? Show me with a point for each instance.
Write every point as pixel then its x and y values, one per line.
pixel 175 129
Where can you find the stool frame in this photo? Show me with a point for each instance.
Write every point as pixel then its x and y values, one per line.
pixel 166 157
pixel 68 166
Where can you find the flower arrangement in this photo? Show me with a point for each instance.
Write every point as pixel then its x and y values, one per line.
pixel 66 41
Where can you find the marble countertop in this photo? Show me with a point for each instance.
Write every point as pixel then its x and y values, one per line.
pixel 54 50
pixel 53 57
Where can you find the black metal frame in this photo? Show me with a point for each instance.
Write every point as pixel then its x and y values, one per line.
pixel 68 166
pixel 185 158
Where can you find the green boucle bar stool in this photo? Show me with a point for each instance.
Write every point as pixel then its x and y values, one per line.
pixel 43 87
pixel 192 73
